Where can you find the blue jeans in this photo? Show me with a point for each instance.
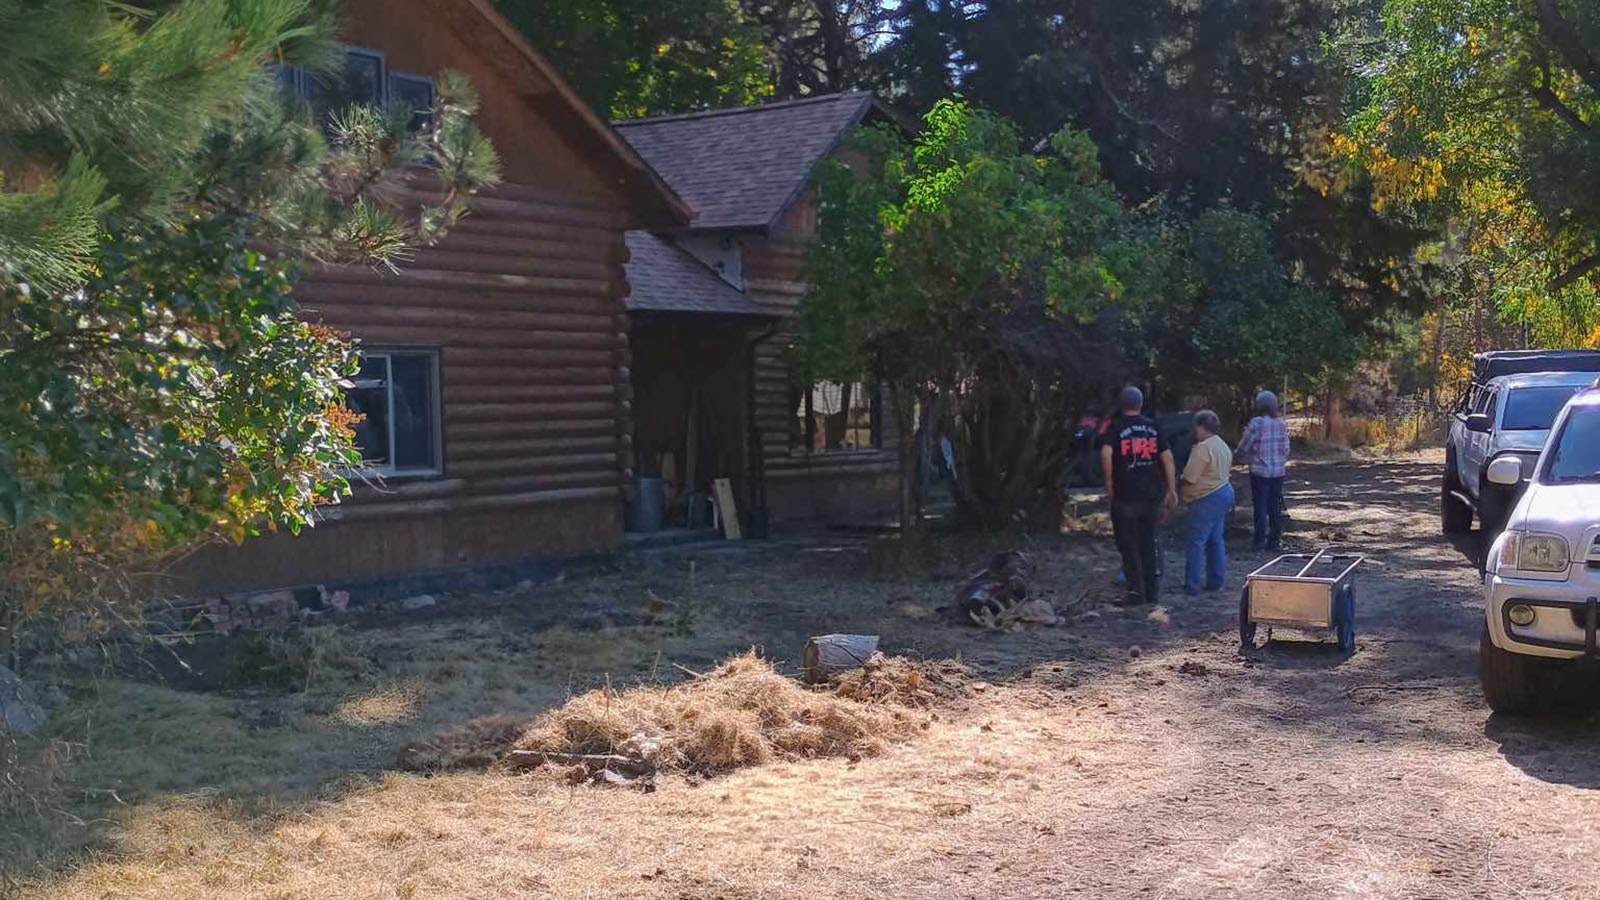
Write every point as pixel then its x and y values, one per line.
pixel 1203 541
pixel 1266 495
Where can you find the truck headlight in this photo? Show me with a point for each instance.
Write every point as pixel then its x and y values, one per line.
pixel 1546 553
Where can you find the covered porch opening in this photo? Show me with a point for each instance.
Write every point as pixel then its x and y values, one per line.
pixel 691 417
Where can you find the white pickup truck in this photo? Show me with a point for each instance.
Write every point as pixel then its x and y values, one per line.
pixel 1507 413
pixel 1542 585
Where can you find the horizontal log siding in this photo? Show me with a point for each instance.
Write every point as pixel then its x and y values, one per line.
pixel 772 272
pixel 524 300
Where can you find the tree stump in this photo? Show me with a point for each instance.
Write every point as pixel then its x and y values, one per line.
pixel 829 654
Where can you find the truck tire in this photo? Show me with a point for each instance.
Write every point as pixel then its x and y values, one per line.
pixel 1455 516
pixel 1512 682
pixel 1494 508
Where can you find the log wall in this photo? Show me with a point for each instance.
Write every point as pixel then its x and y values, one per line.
pixel 804 484
pixel 524 302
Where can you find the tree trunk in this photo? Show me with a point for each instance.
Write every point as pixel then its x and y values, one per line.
pixel 905 416
pixel 1437 367
pixel 1333 417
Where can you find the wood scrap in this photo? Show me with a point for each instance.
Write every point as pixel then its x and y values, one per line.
pixel 727 509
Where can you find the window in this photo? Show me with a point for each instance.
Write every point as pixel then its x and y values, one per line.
pixel 397 394
pixel 415 93
pixel 1574 454
pixel 1535 408
pixel 1487 402
pixel 833 416
pixel 364 79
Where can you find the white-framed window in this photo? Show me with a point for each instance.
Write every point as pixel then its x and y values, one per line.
pixel 396 393
pixel 832 416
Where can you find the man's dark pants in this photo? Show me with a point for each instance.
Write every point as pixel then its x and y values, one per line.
pixel 1134 523
pixel 1266 495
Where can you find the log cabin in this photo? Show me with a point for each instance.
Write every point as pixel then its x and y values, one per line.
pixel 496 377
pixel 712 320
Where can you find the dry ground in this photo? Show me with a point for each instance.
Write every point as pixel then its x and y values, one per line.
pixel 1131 754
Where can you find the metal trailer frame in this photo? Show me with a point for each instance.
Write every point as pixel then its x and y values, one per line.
pixel 1301 600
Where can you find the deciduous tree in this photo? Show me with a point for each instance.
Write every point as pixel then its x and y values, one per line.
pixel 968 273
pixel 635 58
pixel 1482 117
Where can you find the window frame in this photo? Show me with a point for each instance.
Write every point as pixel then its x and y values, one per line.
pixel 807 411
pixel 389 98
pixel 435 411
pixel 298 77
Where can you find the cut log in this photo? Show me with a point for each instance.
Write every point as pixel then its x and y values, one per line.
pixel 830 654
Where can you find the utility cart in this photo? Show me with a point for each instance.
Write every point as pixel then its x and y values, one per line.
pixel 1315 592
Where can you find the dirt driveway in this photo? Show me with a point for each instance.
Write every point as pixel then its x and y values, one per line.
pixel 1132 754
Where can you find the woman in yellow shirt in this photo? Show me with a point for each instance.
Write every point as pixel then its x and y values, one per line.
pixel 1210 496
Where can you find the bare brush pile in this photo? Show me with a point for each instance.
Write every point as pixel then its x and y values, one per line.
pixel 743 713
pixel 894 679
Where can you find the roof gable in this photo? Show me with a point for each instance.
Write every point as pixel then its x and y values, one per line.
pixel 667 278
pixel 743 168
pixel 514 80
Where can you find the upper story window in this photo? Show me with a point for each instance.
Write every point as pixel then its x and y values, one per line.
pixel 365 78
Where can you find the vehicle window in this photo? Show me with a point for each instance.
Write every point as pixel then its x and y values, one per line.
pixel 1488 402
pixel 1534 408
pixel 1575 451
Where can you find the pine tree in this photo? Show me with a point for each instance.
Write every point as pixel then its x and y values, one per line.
pixel 157 385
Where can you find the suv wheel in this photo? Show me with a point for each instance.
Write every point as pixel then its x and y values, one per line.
pixel 1455 516
pixel 1512 683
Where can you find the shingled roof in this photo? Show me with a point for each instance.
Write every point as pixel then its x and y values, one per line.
pixel 742 168
pixel 667 278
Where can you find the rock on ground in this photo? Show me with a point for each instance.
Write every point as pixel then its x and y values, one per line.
pixel 20 712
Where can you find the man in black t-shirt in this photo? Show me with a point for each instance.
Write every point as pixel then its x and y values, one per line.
pixel 1141 481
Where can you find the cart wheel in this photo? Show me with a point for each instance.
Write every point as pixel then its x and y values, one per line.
pixel 1347 620
pixel 1247 628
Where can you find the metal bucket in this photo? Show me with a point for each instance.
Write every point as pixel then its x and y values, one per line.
pixel 647 513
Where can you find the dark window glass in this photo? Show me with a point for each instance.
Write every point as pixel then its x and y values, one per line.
pixel 363 77
pixel 415 93
pixel 397 396
pixel 288 79
pixel 359 82
pixel 370 398
pixel 1576 452
pixel 1534 408
pixel 413 411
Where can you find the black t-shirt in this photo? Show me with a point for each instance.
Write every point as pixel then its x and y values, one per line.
pixel 1136 447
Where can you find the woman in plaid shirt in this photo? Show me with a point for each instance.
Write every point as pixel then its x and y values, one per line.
pixel 1266 446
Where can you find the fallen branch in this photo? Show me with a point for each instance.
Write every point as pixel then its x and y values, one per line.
pixel 596 762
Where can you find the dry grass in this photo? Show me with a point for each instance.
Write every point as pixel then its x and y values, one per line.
pixel 388 704
pixel 1184 772
pixel 1393 434
pixel 742 713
